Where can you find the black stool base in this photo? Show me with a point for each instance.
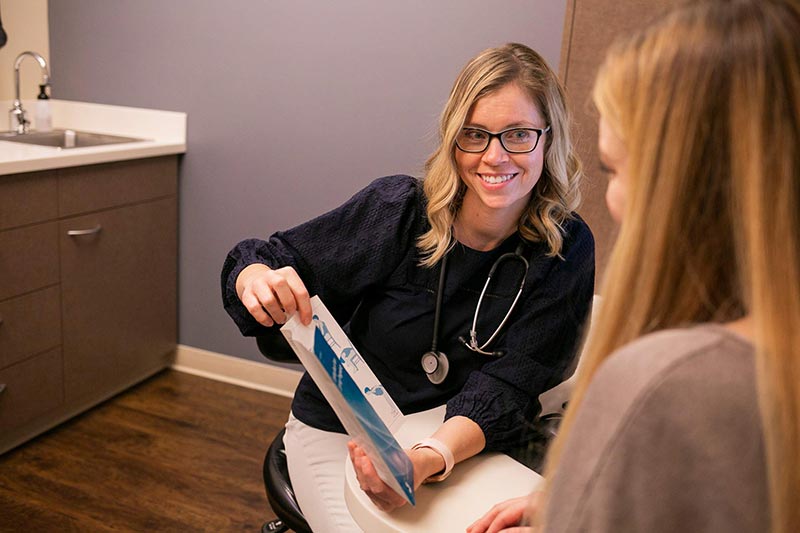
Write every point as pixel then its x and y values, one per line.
pixel 274 526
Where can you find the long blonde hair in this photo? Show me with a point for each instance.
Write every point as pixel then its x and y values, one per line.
pixel 707 103
pixel 556 194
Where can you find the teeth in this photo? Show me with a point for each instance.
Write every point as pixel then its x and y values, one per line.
pixel 494 180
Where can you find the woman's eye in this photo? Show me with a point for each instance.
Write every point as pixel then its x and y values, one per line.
pixel 518 136
pixel 475 135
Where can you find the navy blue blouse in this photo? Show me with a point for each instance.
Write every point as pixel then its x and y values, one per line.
pixel 362 260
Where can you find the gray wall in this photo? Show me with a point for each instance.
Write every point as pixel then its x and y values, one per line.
pixel 256 77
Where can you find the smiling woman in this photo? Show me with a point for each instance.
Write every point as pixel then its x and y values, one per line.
pixel 499 182
pixel 503 182
pixel 506 87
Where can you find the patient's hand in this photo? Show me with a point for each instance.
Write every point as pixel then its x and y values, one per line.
pixel 507 516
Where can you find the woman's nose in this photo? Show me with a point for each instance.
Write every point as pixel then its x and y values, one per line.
pixel 495 153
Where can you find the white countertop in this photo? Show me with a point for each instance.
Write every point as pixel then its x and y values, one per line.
pixel 164 131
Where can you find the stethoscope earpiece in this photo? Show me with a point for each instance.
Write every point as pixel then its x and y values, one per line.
pixel 436 366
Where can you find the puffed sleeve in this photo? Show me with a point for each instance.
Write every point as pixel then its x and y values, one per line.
pixel 503 396
pixel 338 255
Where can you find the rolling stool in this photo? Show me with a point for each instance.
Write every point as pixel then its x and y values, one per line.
pixel 277 484
pixel 280 493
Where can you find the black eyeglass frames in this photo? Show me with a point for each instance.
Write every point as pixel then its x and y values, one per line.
pixel 513 140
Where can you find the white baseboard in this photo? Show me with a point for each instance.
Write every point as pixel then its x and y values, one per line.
pixel 237 371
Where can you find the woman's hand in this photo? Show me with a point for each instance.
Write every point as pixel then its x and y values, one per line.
pixel 461 435
pixel 271 296
pixel 373 486
pixel 425 461
pixel 506 516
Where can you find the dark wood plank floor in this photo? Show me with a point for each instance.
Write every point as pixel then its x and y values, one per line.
pixel 176 453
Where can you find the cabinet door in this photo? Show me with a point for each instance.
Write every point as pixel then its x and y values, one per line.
pixel 118 296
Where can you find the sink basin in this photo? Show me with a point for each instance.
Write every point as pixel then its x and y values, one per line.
pixel 65 138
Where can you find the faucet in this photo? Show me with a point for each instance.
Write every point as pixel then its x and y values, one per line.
pixel 17 121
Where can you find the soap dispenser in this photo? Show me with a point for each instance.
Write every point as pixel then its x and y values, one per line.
pixel 44 117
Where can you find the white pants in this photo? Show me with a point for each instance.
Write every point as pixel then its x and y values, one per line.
pixel 316 461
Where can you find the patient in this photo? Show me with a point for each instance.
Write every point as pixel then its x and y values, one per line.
pixel 686 414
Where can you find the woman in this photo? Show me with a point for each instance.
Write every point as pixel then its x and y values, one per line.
pixel 686 415
pixel 504 180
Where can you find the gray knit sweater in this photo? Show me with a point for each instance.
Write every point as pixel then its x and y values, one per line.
pixel 667 439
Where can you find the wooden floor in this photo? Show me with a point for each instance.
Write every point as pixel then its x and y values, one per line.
pixel 176 453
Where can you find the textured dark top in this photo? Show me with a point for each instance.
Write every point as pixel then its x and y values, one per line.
pixel 668 438
pixel 362 260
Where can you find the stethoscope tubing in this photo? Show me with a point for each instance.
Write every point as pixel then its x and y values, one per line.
pixel 435 363
pixel 439 295
pixel 473 335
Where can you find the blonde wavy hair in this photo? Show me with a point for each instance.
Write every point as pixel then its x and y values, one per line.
pixel 707 103
pixel 557 193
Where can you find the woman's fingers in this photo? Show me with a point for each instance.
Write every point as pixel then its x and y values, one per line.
pixel 271 296
pixel 367 476
pixel 259 302
pixel 357 456
pixel 510 517
pixel 275 295
pixel 503 515
pixel 373 486
pixel 482 524
pixel 302 302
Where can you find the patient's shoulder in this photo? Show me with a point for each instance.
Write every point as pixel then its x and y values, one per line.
pixel 701 359
pixel 658 353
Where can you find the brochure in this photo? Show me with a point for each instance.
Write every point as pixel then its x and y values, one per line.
pixel 367 412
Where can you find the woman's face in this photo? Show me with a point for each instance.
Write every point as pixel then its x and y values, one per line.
pixel 496 179
pixel 614 163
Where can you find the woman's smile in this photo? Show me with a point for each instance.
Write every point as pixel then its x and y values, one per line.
pixel 496 179
pixel 500 183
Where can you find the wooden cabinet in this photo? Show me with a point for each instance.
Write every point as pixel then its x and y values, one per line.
pixel 88 282
pixel 114 295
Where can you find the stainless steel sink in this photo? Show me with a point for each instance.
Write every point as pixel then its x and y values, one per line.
pixel 65 138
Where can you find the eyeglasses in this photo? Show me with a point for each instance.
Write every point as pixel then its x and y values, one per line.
pixel 513 140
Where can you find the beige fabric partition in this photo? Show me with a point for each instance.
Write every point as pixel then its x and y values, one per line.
pixel 590 26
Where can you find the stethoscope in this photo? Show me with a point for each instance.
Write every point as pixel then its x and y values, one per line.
pixel 435 363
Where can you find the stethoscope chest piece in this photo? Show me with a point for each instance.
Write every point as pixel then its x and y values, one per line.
pixel 436 366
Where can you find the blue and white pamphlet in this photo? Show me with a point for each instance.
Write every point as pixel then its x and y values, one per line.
pixel 367 412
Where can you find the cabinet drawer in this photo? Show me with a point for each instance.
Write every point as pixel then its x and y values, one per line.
pixel 32 388
pixel 95 187
pixel 29 325
pixel 28 199
pixel 28 259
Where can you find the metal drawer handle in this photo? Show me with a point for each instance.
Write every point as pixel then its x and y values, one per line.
pixel 79 232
